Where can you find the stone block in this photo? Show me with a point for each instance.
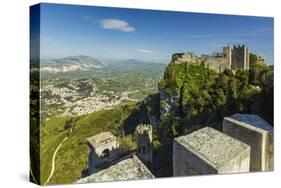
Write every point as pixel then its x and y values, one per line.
pixel 256 132
pixel 128 169
pixel 208 151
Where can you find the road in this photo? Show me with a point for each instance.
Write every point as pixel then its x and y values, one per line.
pixel 54 160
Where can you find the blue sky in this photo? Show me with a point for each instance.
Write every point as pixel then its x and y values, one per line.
pixel 115 33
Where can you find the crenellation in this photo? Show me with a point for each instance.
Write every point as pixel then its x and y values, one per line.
pixel 232 57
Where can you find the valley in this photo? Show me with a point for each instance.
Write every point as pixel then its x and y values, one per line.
pixel 83 91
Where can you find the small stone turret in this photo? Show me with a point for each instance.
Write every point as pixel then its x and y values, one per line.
pixel 144 139
pixel 102 147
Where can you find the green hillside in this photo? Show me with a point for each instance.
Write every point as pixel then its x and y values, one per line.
pixel 193 96
pixel 71 159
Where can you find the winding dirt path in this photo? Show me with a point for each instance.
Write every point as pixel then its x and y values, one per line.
pixel 54 160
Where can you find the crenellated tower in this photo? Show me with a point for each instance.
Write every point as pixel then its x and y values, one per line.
pixel 240 57
pixel 144 140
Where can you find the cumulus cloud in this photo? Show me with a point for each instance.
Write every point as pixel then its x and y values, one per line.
pixel 144 51
pixel 116 24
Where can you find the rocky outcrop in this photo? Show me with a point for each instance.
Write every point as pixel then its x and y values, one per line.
pixel 169 104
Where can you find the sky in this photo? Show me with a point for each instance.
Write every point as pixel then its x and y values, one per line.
pixel 119 34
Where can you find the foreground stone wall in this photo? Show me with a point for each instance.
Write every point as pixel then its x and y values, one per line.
pixel 254 131
pixel 208 151
pixel 127 169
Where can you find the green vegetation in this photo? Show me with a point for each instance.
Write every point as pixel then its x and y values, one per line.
pixel 72 156
pixel 190 96
pixel 196 97
pixel 205 97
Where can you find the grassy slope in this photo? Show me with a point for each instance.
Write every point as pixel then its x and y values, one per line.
pixel 52 134
pixel 72 157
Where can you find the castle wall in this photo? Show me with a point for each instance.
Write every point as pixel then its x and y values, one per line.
pixel 217 63
pixel 96 158
pixel 187 57
pixel 259 137
pixel 236 57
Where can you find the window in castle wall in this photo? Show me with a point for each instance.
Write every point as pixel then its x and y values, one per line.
pixel 105 153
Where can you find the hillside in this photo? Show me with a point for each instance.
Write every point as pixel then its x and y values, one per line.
pixel 193 96
pixel 198 96
pixel 71 159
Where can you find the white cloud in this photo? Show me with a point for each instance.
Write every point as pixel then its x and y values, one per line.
pixel 116 24
pixel 144 51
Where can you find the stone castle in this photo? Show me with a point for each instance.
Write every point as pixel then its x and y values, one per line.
pixel 231 57
pixel 245 144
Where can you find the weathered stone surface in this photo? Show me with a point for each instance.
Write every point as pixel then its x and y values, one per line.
pixel 128 169
pixel 256 132
pixel 99 141
pixel 208 151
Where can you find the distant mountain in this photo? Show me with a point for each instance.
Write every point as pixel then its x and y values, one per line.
pixel 68 64
pixel 134 62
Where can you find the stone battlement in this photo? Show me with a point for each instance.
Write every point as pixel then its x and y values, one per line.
pixel 143 129
pixel 231 57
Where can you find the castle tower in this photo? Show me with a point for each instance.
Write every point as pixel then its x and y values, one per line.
pixel 240 57
pixel 144 140
pixel 227 54
pixel 102 148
